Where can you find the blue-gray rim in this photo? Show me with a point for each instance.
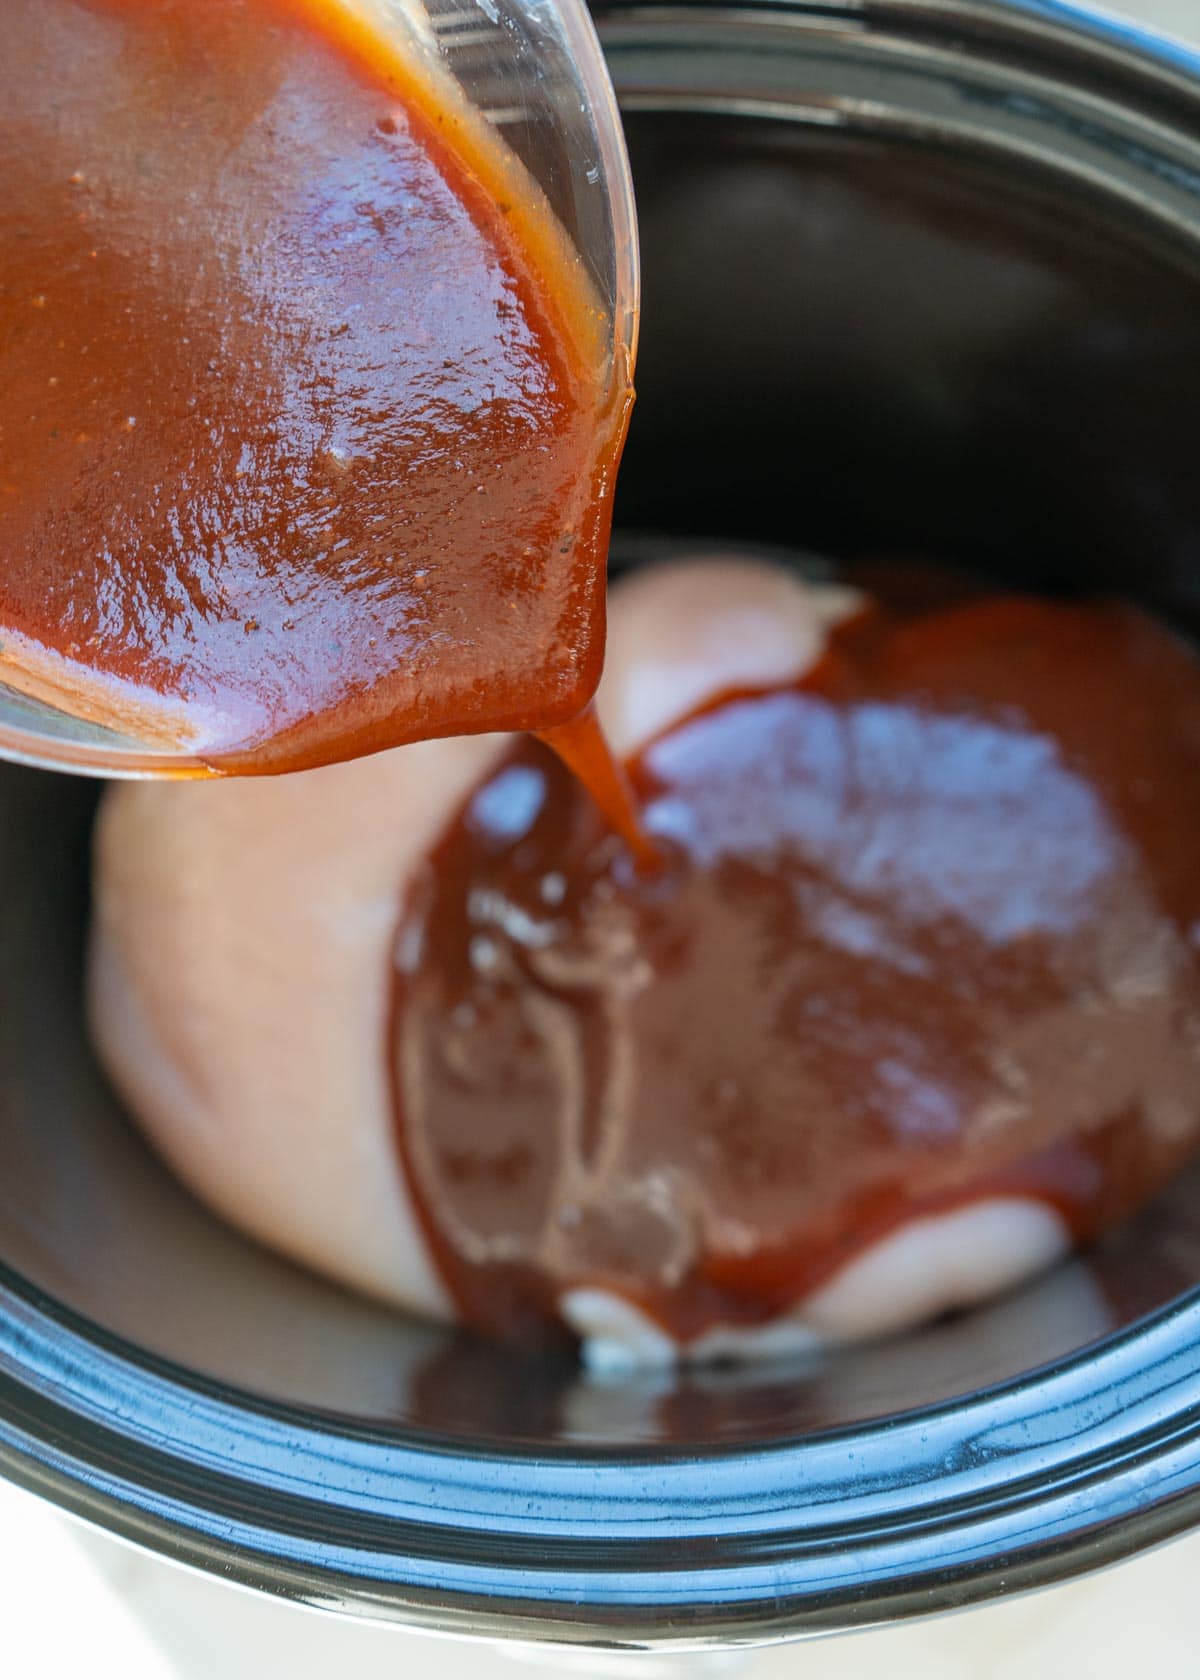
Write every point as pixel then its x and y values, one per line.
pixel 1060 1472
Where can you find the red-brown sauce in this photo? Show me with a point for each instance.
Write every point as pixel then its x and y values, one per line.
pixel 308 423
pixel 926 931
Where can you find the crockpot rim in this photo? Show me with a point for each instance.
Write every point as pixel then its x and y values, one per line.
pixel 125 1439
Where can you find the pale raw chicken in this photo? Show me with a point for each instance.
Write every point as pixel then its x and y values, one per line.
pixel 240 982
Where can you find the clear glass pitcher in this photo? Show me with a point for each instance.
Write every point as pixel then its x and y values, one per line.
pixel 528 79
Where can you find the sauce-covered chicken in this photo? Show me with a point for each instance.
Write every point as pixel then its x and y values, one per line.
pixel 912 1002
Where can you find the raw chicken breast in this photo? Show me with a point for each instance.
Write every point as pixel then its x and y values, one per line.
pixel 241 966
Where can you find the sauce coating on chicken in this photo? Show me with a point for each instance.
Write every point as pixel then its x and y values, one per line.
pixel 926 935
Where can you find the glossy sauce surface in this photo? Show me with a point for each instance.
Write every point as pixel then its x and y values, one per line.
pixel 926 933
pixel 307 423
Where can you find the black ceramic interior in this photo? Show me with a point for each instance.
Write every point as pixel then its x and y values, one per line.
pixel 957 320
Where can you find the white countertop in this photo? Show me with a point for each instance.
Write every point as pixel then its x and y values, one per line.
pixel 1174 17
pixel 76 1603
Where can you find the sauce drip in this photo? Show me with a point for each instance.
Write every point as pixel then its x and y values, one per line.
pixel 925 932
pixel 581 746
pixel 308 422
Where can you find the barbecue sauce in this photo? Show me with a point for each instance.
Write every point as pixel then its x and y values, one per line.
pixel 308 413
pixel 925 932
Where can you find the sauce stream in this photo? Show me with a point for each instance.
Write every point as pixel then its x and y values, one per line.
pixel 581 745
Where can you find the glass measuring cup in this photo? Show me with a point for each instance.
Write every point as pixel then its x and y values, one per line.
pixel 524 83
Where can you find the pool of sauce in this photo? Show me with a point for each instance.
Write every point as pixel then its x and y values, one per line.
pixel 308 422
pixel 926 931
